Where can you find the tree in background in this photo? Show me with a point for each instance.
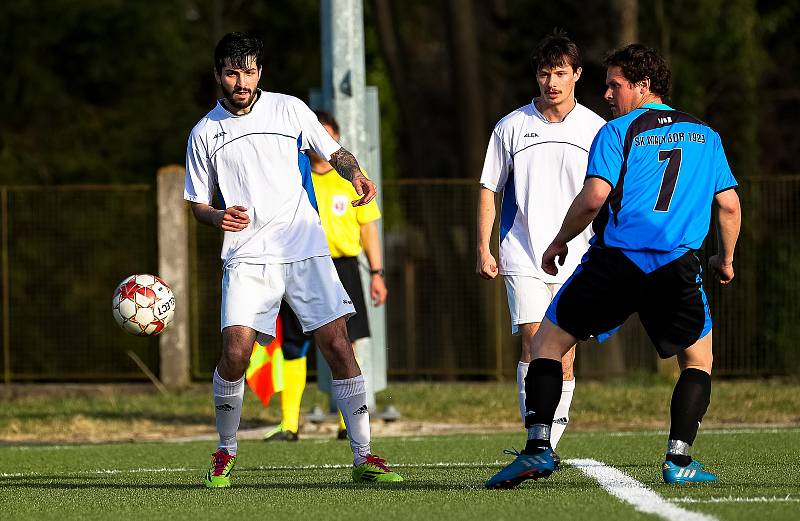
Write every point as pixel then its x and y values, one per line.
pixel 98 91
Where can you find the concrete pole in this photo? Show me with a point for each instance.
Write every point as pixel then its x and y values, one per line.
pixel 344 70
pixel 173 267
pixel 344 94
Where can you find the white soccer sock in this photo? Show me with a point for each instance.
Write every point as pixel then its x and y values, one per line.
pixel 522 371
pixel 561 419
pixel 351 398
pixel 228 398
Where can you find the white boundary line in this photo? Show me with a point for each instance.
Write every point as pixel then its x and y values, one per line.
pixel 734 499
pixel 326 466
pixel 633 492
pixel 4 475
pixel 702 432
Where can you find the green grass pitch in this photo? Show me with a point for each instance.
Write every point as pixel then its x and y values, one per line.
pixel 759 473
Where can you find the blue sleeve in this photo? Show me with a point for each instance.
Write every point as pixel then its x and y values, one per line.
pixel 723 177
pixel 605 156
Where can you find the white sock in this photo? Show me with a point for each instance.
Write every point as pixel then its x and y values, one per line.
pixel 522 371
pixel 363 359
pixel 561 419
pixel 228 398
pixel 351 398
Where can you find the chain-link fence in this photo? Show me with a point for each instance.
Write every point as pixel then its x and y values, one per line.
pixel 64 249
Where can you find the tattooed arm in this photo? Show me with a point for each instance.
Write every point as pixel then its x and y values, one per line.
pixel 346 166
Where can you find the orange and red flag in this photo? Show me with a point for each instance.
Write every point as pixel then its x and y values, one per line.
pixel 265 373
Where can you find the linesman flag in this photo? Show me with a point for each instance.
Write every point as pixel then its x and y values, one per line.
pixel 265 373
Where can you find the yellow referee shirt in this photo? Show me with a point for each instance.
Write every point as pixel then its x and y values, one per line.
pixel 340 219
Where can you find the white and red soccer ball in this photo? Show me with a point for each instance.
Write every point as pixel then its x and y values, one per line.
pixel 143 305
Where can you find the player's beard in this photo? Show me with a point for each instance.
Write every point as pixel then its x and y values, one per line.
pixel 233 102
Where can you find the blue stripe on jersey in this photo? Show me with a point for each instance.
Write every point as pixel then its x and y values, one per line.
pixel 304 164
pixel 665 167
pixel 508 208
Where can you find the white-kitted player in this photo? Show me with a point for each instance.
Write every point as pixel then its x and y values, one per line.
pixel 537 158
pixel 274 247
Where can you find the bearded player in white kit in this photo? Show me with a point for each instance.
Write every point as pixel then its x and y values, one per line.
pixel 537 157
pixel 274 247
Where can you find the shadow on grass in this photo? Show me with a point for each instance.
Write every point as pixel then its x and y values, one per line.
pixel 58 483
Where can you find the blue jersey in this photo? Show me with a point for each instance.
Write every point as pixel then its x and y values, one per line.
pixel 664 168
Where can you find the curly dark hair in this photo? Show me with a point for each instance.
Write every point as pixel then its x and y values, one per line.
pixel 638 63
pixel 556 50
pixel 238 48
pixel 326 118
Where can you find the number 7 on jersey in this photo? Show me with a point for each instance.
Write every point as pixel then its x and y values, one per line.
pixel 669 179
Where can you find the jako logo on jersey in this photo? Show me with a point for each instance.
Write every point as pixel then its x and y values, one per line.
pixel 531 134
pixel 361 410
pixel 665 120
pixel 220 134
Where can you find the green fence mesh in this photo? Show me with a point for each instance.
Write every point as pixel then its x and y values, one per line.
pixel 64 249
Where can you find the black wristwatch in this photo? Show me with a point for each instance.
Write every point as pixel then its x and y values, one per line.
pixel 377 272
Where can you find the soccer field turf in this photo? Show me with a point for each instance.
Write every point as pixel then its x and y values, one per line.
pixel 758 470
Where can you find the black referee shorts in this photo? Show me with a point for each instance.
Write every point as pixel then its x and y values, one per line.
pixel 350 275
pixel 608 287
pixel 296 343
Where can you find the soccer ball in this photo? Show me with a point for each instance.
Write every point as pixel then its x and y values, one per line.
pixel 143 305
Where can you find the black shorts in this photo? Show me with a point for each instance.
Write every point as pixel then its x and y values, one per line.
pixel 608 287
pixel 296 343
pixel 350 275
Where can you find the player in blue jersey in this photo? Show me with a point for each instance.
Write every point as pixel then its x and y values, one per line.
pixel 652 177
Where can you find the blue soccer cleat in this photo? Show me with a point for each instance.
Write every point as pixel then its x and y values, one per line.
pixel 694 472
pixel 524 466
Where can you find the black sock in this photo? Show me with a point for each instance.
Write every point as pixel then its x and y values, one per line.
pixel 690 401
pixel 679 459
pixel 542 392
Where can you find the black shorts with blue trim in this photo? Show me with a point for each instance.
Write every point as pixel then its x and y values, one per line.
pixel 607 287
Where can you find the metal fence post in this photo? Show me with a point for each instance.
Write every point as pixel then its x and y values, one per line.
pixel 173 267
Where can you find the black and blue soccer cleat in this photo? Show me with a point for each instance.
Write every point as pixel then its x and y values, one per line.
pixel 524 466
pixel 694 472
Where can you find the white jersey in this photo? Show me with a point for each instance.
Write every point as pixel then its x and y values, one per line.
pixel 253 160
pixel 540 167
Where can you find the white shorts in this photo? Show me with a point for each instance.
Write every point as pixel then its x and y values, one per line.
pixel 528 299
pixel 252 293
